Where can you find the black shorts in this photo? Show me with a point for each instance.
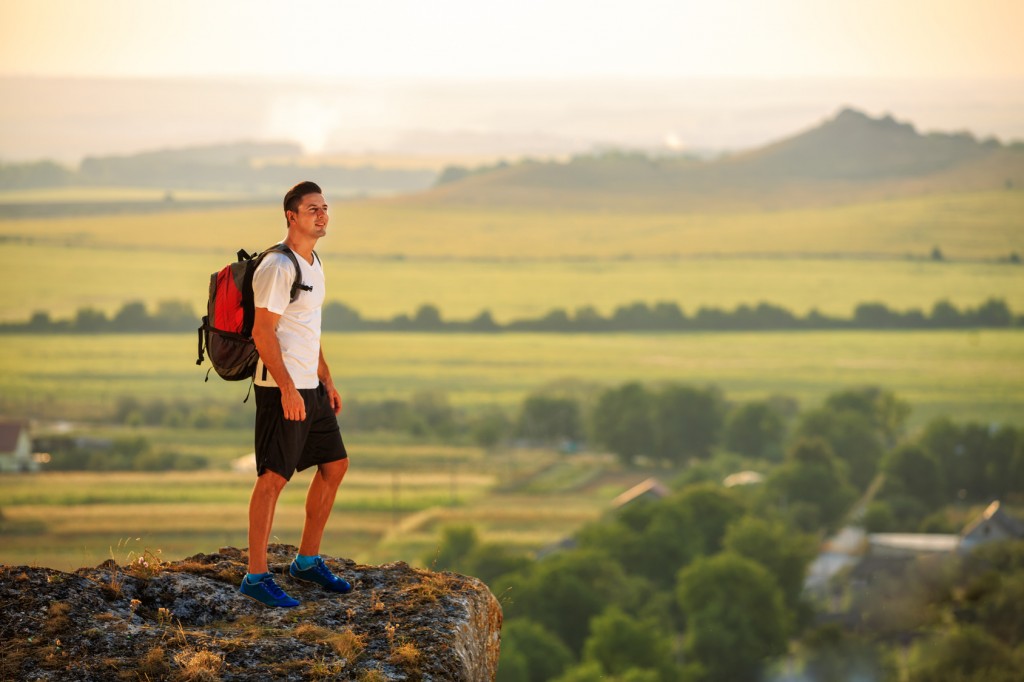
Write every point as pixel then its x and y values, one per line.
pixel 285 446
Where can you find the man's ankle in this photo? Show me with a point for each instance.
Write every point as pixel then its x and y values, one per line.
pixel 253 578
pixel 306 561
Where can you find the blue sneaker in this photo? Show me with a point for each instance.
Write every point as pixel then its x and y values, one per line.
pixel 321 575
pixel 267 592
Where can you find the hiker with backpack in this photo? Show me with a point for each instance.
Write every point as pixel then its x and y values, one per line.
pixel 297 402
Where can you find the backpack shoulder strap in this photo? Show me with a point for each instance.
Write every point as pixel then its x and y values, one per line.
pixel 298 284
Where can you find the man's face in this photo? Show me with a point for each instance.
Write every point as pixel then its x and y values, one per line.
pixel 310 218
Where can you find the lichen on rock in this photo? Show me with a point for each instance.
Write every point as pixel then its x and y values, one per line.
pixel 186 620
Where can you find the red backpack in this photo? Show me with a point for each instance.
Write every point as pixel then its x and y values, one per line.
pixel 227 325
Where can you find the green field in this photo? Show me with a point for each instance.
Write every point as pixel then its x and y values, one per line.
pixel 967 374
pixel 965 226
pixel 106 279
pixel 389 257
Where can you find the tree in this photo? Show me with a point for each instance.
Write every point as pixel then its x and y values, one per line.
pixel 622 421
pixel 712 509
pixel 490 428
pixel 887 413
pixel 851 435
pixel 456 544
pixel 811 479
pixel 529 653
pixel 913 470
pixel 564 591
pixel 735 619
pixel 131 317
pixel 652 539
pixel 783 551
pixel 428 317
pixel 619 643
pixel 755 430
pixel 547 419
pixel 965 654
pixel 90 320
pixel 686 421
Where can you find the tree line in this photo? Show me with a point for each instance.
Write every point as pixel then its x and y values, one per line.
pixel 169 316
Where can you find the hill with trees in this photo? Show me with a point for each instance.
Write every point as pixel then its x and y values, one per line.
pixel 849 157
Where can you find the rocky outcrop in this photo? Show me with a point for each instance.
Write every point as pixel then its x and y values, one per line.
pixel 186 620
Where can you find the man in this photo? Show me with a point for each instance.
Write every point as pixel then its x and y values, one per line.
pixel 296 401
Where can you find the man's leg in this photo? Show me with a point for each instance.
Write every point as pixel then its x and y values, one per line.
pixel 319 501
pixel 261 517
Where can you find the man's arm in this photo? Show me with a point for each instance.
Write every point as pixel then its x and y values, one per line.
pixel 323 372
pixel 264 335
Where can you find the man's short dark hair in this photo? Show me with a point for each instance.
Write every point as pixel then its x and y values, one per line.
pixel 294 196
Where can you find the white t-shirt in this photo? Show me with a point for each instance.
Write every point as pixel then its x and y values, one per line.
pixel 298 330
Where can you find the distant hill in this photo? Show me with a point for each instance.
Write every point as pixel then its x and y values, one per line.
pixel 850 157
pixel 250 168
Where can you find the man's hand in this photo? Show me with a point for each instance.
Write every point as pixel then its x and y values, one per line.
pixel 292 404
pixel 334 396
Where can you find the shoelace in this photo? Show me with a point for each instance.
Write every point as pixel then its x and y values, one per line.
pixel 271 587
pixel 321 568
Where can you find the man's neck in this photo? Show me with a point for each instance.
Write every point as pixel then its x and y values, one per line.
pixel 304 248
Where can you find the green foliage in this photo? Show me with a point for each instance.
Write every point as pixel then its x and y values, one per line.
pixel 686 422
pixel 133 318
pixel 810 486
pixel 622 421
pixel 456 544
pixel 851 435
pixel 529 653
pixel 490 427
pixel 887 413
pixel 564 591
pixel 122 454
pixel 835 656
pixel 549 419
pixel 914 471
pixel 976 462
pixel 735 616
pixel 621 643
pixel 756 429
pixel 783 551
pixel 879 518
pixel 965 654
pixel 712 509
pixel 647 538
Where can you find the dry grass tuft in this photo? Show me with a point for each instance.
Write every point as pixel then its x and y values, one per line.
pixel 153 665
pixel 57 620
pixel 320 669
pixel 199 665
pixel 406 655
pixel 372 675
pixel 345 643
pixel 432 586
pixel 348 644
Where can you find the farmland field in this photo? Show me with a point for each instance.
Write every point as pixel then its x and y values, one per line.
pixel 966 226
pixel 106 279
pixel 392 505
pixel 389 257
pixel 967 374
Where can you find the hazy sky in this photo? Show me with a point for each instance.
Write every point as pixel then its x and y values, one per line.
pixel 475 39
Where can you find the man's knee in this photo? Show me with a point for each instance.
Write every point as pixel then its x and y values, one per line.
pixel 271 481
pixel 333 472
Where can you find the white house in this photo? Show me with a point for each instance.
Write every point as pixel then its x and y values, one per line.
pixel 16 448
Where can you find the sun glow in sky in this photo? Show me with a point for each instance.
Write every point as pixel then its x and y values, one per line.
pixel 531 39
